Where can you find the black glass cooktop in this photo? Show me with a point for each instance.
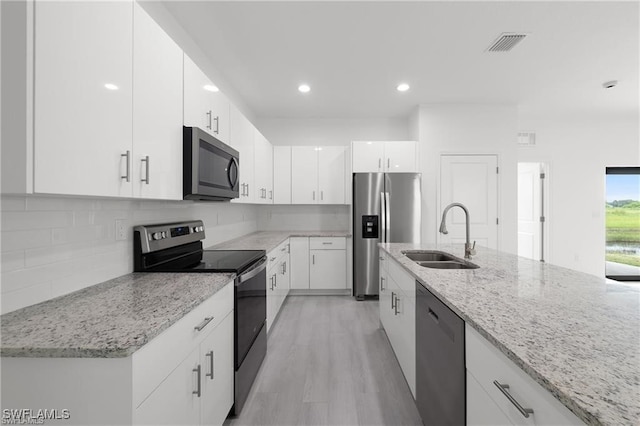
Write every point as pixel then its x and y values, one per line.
pixel 211 261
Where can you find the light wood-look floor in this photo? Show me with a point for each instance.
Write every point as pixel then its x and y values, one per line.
pixel 329 363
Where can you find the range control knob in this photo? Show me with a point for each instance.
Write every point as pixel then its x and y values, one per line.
pixel 201 228
pixel 157 235
pixel 164 234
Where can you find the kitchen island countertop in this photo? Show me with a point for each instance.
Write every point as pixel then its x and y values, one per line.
pixel 576 334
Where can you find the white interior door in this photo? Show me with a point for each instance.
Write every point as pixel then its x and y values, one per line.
pixel 473 181
pixel 529 210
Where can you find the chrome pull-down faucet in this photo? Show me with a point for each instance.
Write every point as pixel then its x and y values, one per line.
pixel 468 249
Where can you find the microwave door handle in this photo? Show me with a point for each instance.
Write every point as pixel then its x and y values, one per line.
pixel 233 180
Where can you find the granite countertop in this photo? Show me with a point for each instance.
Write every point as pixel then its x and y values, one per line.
pixel 107 320
pixel 576 334
pixel 268 240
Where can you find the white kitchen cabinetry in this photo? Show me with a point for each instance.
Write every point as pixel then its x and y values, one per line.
pixel 490 368
pixel 263 163
pixel 242 136
pixel 157 111
pixel 155 385
pixel 83 98
pixel 398 315
pixel 328 266
pixel 281 174
pixel 278 280
pixel 318 175
pixel 299 252
pixel 204 105
pixel 389 156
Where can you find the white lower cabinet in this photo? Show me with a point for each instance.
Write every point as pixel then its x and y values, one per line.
pixel 299 263
pixel 158 384
pixel 398 315
pixel 491 369
pixel 278 280
pixel 328 265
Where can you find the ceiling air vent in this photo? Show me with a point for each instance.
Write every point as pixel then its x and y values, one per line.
pixel 526 139
pixel 506 42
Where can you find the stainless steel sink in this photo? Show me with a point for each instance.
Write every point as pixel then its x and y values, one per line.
pixel 438 260
pixel 428 256
pixel 449 265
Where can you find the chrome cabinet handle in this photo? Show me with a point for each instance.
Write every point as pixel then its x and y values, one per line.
pixel 382 284
pixel 146 179
pixel 321 195
pixel 209 114
pixel 275 280
pixel 203 324
pixel 393 297
pixel 271 195
pixel 247 190
pixel 388 164
pixel 210 354
pixel 395 309
pixel 272 259
pixel 327 243
pixel 217 120
pixel 313 259
pixel 198 390
pixel 127 176
pixel 284 267
pixel 288 248
pixel 504 389
pixel 314 195
pixel 379 163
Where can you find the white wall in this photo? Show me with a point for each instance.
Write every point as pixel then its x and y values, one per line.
pixel 468 129
pixel 55 245
pixel 577 150
pixel 331 131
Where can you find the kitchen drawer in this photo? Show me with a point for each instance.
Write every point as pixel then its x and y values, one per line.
pixel 330 243
pixel 155 360
pixel 403 279
pixel 276 256
pixel 487 364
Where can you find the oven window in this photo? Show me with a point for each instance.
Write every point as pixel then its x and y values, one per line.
pixel 213 167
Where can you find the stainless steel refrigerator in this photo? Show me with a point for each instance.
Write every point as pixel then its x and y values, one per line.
pixel 386 208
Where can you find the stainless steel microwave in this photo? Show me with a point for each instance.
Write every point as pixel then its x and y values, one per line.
pixel 210 167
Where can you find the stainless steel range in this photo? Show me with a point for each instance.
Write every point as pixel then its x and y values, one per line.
pixel 177 247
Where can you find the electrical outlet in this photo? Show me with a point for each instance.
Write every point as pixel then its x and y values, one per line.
pixel 121 230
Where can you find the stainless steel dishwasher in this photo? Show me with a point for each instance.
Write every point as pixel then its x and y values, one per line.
pixel 440 365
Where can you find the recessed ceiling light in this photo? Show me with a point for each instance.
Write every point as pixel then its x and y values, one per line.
pixel 210 88
pixel 304 88
pixel 610 84
pixel 111 86
pixel 402 87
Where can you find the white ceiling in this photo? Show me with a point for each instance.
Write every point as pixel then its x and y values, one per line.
pixel 353 54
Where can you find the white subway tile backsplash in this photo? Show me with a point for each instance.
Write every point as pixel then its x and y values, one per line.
pixel 55 245
pixel 36 220
pixel 25 239
pixel 12 260
pixel 25 297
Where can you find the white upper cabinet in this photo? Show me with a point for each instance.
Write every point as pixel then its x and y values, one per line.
pixel 391 156
pixel 331 174
pixel 281 175
pixel 318 175
pixel 204 105
pixel 263 164
pixel 83 98
pixel 304 175
pixel 241 138
pixel 157 111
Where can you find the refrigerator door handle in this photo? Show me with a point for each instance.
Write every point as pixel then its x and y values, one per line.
pixel 387 217
pixel 383 217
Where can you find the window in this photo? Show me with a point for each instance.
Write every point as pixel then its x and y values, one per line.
pixel 623 223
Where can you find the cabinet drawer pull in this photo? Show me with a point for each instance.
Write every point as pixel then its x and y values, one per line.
pixel 217 120
pixel 382 284
pixel 314 195
pixel 210 354
pixel 393 300
pixel 198 390
pixel 388 164
pixel 321 195
pixel 203 324
pixel 209 115
pixel 271 194
pixel 328 244
pixel 379 163
pixel 504 389
pixel 395 309
pixel 146 179
pixel 127 175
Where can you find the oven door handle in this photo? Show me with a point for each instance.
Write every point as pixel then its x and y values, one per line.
pixel 260 266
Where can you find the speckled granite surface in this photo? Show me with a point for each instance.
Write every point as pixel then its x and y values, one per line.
pixel 268 240
pixel 107 320
pixel 576 334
